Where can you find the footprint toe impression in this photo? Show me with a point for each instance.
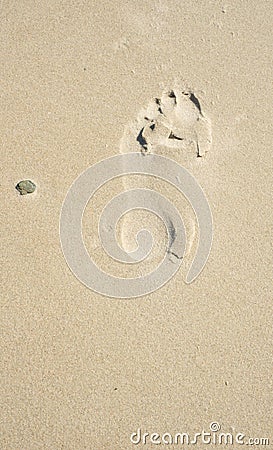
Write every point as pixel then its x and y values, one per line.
pixel 175 120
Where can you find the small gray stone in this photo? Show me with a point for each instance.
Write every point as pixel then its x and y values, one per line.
pixel 25 187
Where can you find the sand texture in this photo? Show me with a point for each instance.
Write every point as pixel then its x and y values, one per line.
pixel 84 81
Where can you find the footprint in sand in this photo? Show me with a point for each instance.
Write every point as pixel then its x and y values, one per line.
pixel 174 126
pixel 176 120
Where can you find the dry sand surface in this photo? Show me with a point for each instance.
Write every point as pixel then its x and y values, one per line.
pixel 80 370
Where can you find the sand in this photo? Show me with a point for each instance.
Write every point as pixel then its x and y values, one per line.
pixel 80 370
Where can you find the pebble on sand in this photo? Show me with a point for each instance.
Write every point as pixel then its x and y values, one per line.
pixel 25 187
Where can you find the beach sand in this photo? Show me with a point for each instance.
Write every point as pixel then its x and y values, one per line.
pixel 80 370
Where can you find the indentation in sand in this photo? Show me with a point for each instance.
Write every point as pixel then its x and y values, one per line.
pixel 175 120
pixel 174 125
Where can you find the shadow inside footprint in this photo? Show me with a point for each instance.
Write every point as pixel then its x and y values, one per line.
pixel 140 138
